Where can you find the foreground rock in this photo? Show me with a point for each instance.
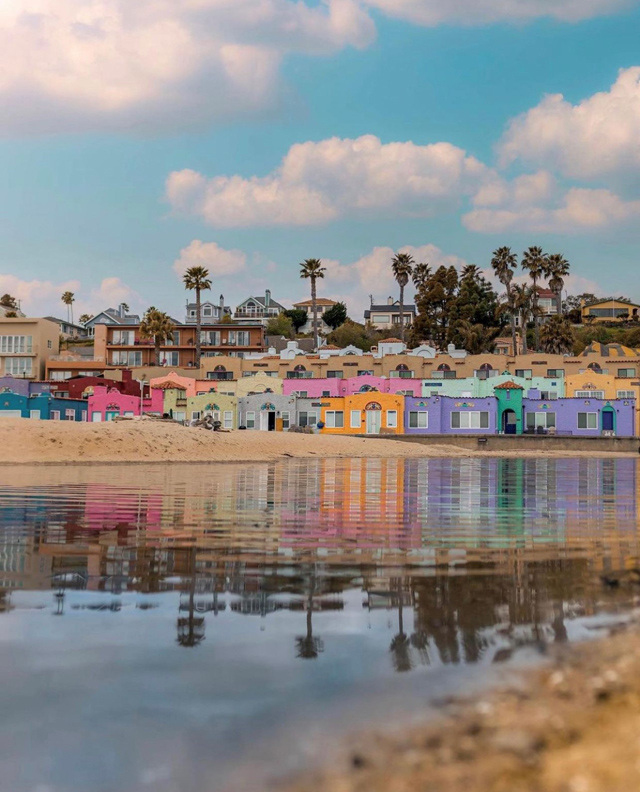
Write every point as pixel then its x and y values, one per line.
pixel 574 727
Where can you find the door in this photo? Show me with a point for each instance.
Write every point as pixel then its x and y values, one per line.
pixel 607 421
pixel 34 414
pixel 272 421
pixel 96 417
pixel 111 414
pixel 373 421
pixel 509 422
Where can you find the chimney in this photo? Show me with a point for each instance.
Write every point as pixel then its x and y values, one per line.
pixel 389 300
pixel 221 306
pixel 121 311
pixel 267 298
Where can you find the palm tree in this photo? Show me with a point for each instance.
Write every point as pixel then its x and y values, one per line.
pixel 313 269
pixel 557 269
pixel 402 267
pixel 197 279
pixel 85 318
pixel 504 264
pixel 420 275
pixel 556 336
pixel 68 298
pixel 534 262
pixel 157 326
pixel 526 306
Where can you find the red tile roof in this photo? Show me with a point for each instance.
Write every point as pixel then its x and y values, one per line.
pixel 391 341
pixel 509 385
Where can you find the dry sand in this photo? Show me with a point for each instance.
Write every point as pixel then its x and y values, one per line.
pixel 50 442
pixel 574 727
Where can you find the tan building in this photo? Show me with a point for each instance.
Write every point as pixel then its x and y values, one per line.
pixel 25 346
pixel 609 311
pixel 322 306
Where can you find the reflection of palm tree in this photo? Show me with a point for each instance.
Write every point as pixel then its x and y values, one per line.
pixel 191 628
pixel 308 646
pixel 400 645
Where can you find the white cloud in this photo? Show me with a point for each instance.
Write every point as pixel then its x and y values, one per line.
pixel 595 138
pixel 318 182
pixel 217 260
pixel 70 65
pixel 578 211
pixel 37 298
pixel 474 12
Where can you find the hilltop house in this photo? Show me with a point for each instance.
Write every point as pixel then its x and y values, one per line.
pixel 210 312
pixel 386 316
pixel 258 309
pixel 111 316
pixel 323 305
pixel 609 310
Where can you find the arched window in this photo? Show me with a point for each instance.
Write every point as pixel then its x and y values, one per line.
pixel 486 367
pixel 366 389
pixel 299 368
pixel 444 367
pixel 219 368
pixel 595 367
pixel 402 367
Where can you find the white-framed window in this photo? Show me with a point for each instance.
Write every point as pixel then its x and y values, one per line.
pixel 18 367
pixel 301 394
pixel 542 419
pixel 15 345
pixel 206 311
pixel 622 394
pixel 418 419
pixel 401 374
pixel 195 415
pixel 179 416
pixel 169 358
pixel 286 419
pixel 335 374
pixel 392 419
pixel 355 421
pixel 123 357
pixel 84 415
pixel 69 415
pixel 587 420
pixel 590 394
pixel 307 418
pixel 227 421
pixel 54 415
pixel 250 420
pixel 243 338
pixel 35 414
pixel 210 337
pixel 123 337
pixel 334 419
pixel 626 372
pixel 549 395
pixel 524 373
pixel 128 414
pixel 470 420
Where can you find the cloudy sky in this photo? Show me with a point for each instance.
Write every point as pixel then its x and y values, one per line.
pixel 139 138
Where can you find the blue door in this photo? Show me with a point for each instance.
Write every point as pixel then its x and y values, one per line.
pixel 607 421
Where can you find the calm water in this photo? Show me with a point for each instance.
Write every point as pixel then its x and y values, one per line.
pixel 187 629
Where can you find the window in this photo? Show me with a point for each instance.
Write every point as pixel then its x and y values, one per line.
pixel 381 318
pixel 627 372
pixel 206 311
pixel 524 373
pixel 365 373
pixel 401 374
pixel 69 415
pixel 35 414
pixel 250 420
pixel 169 358
pixel 544 420
pixel 286 419
pixel 228 419
pixel 392 419
pixel 18 367
pixel 334 419
pixel 175 339
pixel 443 374
pixel 210 337
pixel 549 395
pixel 299 374
pixel 589 394
pixel 13 345
pixel 557 373
pixel 123 337
pixel 307 418
pixel 49 345
pixel 243 338
pixel 335 374
pixel 419 420
pixel 355 421
pixel 469 420
pixel 195 415
pixel 55 415
pixel 124 358
pixel 587 420
pixel 622 394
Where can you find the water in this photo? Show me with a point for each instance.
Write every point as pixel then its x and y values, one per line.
pixel 203 628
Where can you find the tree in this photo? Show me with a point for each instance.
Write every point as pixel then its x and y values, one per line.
pixel 353 334
pixel 68 298
pixel 504 264
pixel 435 301
pixel 158 327
pixel 312 269
pixel 420 275
pixel 556 336
pixel 280 325
pixel 534 262
pixel 197 279
pixel 298 317
pixel 85 318
pixel 402 268
pixel 556 270
pixel 7 301
pixel 336 315
pixel 525 304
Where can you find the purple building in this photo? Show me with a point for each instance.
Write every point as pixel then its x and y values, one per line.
pixel 25 387
pixel 580 417
pixel 435 415
pixel 333 387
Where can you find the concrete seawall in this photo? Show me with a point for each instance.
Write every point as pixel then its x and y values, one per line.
pixel 523 443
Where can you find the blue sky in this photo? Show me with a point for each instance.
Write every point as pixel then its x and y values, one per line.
pixel 252 134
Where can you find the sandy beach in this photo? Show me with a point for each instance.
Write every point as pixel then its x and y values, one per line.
pixel 50 442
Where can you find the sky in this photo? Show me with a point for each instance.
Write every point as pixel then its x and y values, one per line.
pixel 138 139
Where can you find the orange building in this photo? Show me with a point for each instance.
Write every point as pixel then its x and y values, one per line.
pixel 363 413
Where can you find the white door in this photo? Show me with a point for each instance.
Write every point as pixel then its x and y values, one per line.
pixel 96 417
pixel 373 421
pixel 10 414
pixel 264 421
pixel 34 414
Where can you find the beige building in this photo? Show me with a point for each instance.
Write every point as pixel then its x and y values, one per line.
pixel 26 345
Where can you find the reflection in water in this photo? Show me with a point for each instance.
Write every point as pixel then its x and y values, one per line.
pixel 385 574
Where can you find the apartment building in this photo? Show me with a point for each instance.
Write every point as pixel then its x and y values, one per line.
pixel 123 347
pixel 25 346
pixel 386 316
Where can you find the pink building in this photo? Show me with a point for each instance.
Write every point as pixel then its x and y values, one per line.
pixel 333 387
pixel 106 403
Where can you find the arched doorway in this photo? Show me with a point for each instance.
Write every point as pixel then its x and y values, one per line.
pixel 509 422
pixel 608 420
pixel 268 417
pixel 373 412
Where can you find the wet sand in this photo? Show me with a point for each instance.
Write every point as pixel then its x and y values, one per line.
pixel 51 442
pixel 572 727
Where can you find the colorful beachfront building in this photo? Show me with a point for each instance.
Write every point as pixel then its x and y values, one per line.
pixel 337 386
pixel 620 382
pixel 219 406
pixel 26 387
pixel 106 403
pixel 449 415
pixel 363 413
pixel 267 412
pixel 42 407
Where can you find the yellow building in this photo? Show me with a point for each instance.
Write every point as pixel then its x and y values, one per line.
pixel 606 385
pixel 609 311
pixel 260 383
pixel 363 413
pixel 220 406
